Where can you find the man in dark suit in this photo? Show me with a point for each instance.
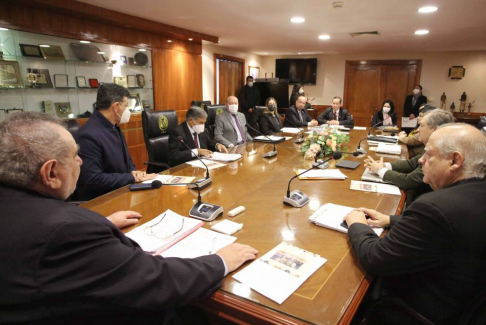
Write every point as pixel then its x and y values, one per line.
pixel 230 125
pixel 336 115
pixel 408 174
pixel 297 115
pixel 63 264
pixel 107 162
pixel 193 134
pixel 413 103
pixel 249 97
pixel 433 255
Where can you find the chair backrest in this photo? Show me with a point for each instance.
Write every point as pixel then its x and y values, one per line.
pixel 475 312
pixel 201 103
pixel 212 111
pixel 259 113
pixel 73 127
pixel 157 125
pixel 482 122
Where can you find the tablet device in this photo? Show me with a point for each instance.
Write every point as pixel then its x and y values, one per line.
pixel 348 164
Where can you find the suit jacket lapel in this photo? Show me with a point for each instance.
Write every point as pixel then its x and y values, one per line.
pixel 189 137
pixel 230 120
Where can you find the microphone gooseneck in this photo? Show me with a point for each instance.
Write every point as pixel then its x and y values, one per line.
pixel 249 126
pixel 181 140
pixel 295 126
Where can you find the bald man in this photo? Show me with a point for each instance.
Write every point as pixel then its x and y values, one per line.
pixel 230 129
pixel 433 255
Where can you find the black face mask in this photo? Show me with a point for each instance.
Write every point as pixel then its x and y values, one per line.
pixel 272 108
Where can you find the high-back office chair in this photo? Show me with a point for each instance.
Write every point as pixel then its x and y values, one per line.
pixel 259 112
pixel 157 125
pixel 73 127
pixel 212 111
pixel 482 122
pixel 201 103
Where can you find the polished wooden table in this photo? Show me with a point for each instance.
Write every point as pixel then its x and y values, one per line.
pixel 329 296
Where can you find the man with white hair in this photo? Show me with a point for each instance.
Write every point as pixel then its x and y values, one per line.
pixel 432 257
pixel 63 264
pixel 230 126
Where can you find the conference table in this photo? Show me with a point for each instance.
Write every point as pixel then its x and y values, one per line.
pixel 332 294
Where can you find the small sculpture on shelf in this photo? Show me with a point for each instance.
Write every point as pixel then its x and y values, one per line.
pixel 453 107
pixel 462 107
pixel 443 99
pixel 32 78
pixel 469 107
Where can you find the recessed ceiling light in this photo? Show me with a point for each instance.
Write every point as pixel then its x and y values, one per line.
pixel 142 50
pixel 169 41
pixel 44 45
pixel 297 20
pixel 426 10
pixel 421 32
pixel 85 42
pixel 324 37
pixel 190 39
pixel 2 28
pixel 101 52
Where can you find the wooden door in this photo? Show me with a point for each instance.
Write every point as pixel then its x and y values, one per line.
pixel 367 84
pixel 228 77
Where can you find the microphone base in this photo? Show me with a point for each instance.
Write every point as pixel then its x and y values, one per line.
pixel 297 199
pixel 361 151
pixel 298 140
pixel 269 154
pixel 203 183
pixel 205 211
pixel 322 166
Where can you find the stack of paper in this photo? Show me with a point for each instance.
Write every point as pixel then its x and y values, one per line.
pixel 209 163
pixel 226 157
pixel 393 149
pixel 269 138
pixel 375 187
pixel 331 216
pixel 280 272
pixel 321 174
pixel 170 179
pixel 290 130
pixel 371 177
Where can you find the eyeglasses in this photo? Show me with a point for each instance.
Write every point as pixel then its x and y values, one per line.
pixel 159 232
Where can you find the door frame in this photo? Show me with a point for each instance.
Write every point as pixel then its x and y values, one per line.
pixel 217 56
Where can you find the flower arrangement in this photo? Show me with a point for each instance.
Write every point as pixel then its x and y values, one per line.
pixel 323 143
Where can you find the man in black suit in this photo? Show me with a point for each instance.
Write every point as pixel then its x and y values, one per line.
pixel 336 115
pixel 193 134
pixel 413 103
pixel 432 257
pixel 63 264
pixel 249 97
pixel 107 162
pixel 297 115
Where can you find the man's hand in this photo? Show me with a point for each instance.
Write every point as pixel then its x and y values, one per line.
pixel 123 219
pixel 374 165
pixel 333 122
pixel 402 135
pixel 141 176
pixel 314 123
pixel 221 148
pixel 236 254
pixel 412 116
pixel 250 110
pixel 204 152
pixel 355 216
pixel 376 219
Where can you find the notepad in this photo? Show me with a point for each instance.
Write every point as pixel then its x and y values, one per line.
pixel 321 174
pixel 225 157
pixel 393 149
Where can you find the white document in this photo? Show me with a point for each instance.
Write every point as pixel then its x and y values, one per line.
pixel 162 178
pixel 280 272
pixel 265 138
pixel 360 128
pixel 290 130
pixel 199 243
pixel 393 149
pixel 371 177
pixel 408 123
pixel 322 174
pixel 226 157
pixel 209 163
pixel 331 216
pixel 172 180
pixel 375 187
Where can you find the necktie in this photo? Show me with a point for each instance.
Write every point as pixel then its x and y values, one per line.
pixel 195 140
pixel 242 133
pixel 336 115
pixel 300 115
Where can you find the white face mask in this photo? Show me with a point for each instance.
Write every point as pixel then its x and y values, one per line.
pixel 386 110
pixel 301 91
pixel 250 84
pixel 233 109
pixel 125 117
pixel 199 128
pixel 416 91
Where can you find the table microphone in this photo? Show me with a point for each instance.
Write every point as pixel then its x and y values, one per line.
pixel 301 139
pixel 146 186
pixel 202 183
pixel 269 154
pixel 298 199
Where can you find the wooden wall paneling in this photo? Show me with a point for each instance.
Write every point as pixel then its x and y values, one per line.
pixel 231 76
pixel 398 81
pixel 177 79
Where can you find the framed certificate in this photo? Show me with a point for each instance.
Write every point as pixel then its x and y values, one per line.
pixel 121 81
pixel 53 52
pixel 10 74
pixel 123 59
pixel 93 83
pixel 30 50
pixel 81 81
pixel 132 81
pixel 61 80
pixel 134 102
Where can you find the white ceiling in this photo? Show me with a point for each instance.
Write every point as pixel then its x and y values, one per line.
pixel 263 26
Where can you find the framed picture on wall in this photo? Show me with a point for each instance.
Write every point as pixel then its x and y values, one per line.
pixel 10 74
pixel 134 102
pixel 81 81
pixel 254 72
pixel 61 80
pixel 121 81
pixel 132 81
pixel 30 50
pixel 93 83
pixel 52 52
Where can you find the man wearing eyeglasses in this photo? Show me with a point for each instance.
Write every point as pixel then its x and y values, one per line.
pixel 107 163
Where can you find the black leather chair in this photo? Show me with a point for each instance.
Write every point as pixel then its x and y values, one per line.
pixel 73 127
pixel 482 122
pixel 157 125
pixel 201 103
pixel 259 113
pixel 212 111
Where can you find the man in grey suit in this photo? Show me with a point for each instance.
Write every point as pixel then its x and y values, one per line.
pixel 230 127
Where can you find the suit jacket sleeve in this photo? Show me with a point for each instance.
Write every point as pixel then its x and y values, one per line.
pixel 219 131
pixel 178 153
pixel 243 125
pixel 242 99
pixel 324 118
pixel 417 242
pixel 92 173
pixel 91 261
pixel 406 174
pixel 291 115
pixel 346 118
pixel 265 126
pixel 375 120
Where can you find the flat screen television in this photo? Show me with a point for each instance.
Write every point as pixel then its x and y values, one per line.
pixel 297 70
